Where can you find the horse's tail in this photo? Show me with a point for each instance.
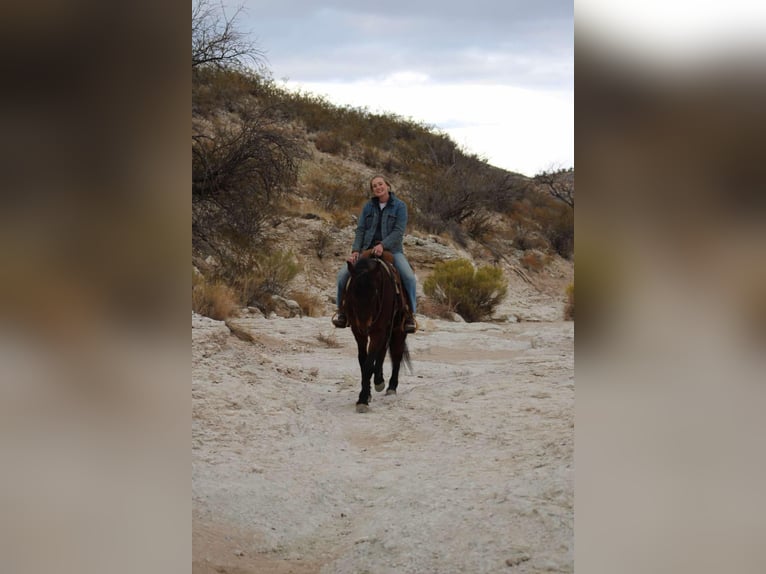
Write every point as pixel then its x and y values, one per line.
pixel 406 358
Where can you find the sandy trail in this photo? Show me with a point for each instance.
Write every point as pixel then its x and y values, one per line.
pixel 468 469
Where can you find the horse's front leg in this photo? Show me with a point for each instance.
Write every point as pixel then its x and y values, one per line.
pixel 380 357
pixel 366 368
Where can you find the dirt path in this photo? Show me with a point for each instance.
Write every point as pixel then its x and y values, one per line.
pixel 468 469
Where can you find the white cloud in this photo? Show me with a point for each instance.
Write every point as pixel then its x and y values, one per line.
pixel 521 130
pixel 681 31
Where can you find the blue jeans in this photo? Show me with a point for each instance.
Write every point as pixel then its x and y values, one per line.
pixel 409 281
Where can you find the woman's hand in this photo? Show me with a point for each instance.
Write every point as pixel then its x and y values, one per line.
pixel 378 250
pixel 353 257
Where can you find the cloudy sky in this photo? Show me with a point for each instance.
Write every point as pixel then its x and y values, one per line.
pixel 496 75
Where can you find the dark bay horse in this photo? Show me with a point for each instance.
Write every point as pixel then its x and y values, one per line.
pixel 374 304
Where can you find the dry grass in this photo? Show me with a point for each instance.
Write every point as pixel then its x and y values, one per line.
pixel 214 300
pixel 311 305
pixel 535 261
pixel 434 309
pixel 333 187
pixel 329 340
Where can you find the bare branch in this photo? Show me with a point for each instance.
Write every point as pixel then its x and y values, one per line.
pixel 559 184
pixel 216 42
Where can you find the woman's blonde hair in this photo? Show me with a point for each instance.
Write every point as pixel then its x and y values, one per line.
pixel 388 183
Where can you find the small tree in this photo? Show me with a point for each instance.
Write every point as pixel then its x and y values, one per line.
pixel 239 170
pixel 471 293
pixel 559 184
pixel 215 40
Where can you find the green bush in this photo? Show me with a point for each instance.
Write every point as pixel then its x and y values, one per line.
pixel 471 293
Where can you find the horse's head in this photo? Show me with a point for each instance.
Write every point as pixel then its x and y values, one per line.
pixel 363 265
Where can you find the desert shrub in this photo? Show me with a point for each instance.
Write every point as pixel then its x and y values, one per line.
pixel 453 187
pixel 322 242
pixel 329 142
pixel 330 340
pixel 526 240
pixel 241 167
pixel 215 300
pixel 471 293
pixel 557 226
pixel 479 225
pixel 333 188
pixel 569 309
pixel 534 260
pixel 432 308
pixel 271 275
pixel 371 156
pixel 311 305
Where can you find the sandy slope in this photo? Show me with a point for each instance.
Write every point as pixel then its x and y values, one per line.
pixel 468 469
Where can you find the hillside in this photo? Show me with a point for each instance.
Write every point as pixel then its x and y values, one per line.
pixel 279 171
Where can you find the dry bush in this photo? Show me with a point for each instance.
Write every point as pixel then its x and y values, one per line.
pixel 453 191
pixel 534 260
pixel 479 226
pixel 371 156
pixel 329 340
pixel 334 188
pixel 471 293
pixel 241 166
pixel 271 275
pixel 330 142
pixel 526 240
pixel 215 300
pixel 556 222
pixel 569 309
pixel 322 242
pixel 310 304
pixel 434 309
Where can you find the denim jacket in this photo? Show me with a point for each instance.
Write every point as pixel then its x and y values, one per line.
pixel 392 228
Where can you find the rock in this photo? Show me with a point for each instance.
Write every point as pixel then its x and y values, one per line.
pixel 239 332
pixel 286 308
pixel 518 555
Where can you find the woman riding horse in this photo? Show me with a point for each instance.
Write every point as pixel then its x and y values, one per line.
pixel 381 227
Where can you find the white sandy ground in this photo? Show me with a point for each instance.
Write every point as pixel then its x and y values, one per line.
pixel 468 469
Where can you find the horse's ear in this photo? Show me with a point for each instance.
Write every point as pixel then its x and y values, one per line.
pixel 350 266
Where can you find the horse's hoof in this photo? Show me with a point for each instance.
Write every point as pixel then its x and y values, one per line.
pixel 362 408
pixel 390 392
pixel 380 386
